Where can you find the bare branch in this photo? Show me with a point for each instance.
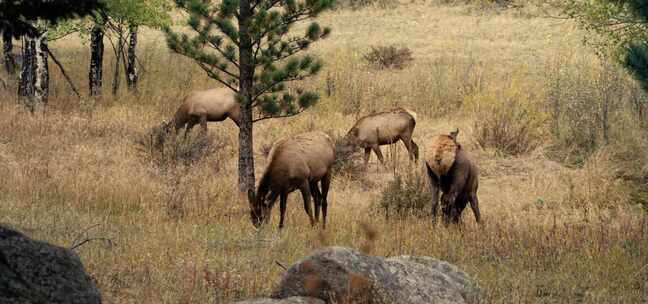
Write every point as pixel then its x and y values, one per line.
pixel 78 241
pixel 281 265
pixel 60 66
pixel 106 240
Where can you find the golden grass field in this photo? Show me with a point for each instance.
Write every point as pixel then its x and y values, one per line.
pixel 554 232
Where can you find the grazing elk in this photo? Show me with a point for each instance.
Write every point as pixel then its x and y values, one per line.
pixel 199 107
pixel 384 128
pixel 298 162
pixel 451 171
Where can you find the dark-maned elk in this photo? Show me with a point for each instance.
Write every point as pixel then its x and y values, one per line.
pixel 297 162
pixel 384 128
pixel 200 107
pixel 451 170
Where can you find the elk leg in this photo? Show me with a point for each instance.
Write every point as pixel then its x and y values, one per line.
pixel 460 205
pixel 273 198
pixel 376 150
pixel 317 198
pixel 434 190
pixel 446 208
pixel 203 123
pixel 407 141
pixel 415 150
pixel 367 154
pixel 188 128
pixel 474 205
pixel 282 208
pixel 306 195
pixel 326 182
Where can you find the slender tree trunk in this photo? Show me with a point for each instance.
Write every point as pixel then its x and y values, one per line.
pixel 26 87
pixel 41 92
pixel 605 121
pixel 118 59
pixel 7 51
pixel 556 113
pixel 246 159
pixel 131 68
pixel 96 60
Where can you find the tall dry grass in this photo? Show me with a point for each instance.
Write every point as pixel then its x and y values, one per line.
pixel 561 223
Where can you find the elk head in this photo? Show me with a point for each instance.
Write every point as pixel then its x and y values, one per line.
pixel 259 211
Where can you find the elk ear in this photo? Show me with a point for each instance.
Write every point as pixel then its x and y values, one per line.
pixel 251 196
pixel 454 134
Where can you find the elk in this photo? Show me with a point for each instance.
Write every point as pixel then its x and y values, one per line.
pixel 200 107
pixel 384 128
pixel 298 162
pixel 451 170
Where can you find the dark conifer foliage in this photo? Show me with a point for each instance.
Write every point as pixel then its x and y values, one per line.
pixel 636 59
pixel 17 14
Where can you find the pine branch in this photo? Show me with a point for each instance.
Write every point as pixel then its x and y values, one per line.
pixel 268 88
pixel 220 51
pixel 217 77
pixel 280 116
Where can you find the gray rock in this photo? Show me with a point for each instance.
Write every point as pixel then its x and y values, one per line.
pixel 344 275
pixel 291 300
pixel 37 272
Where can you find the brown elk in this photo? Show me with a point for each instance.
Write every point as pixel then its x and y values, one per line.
pixel 451 170
pixel 384 128
pixel 200 107
pixel 298 162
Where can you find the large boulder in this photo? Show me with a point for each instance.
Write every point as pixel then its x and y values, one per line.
pixel 342 275
pixel 32 271
pixel 291 300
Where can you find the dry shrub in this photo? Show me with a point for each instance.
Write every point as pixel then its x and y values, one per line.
pixel 597 183
pixel 357 4
pixel 500 4
pixel 406 195
pixel 265 149
pixel 348 158
pixel 510 125
pixel 166 151
pixel 388 57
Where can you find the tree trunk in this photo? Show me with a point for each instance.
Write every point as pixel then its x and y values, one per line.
pixel 556 114
pixel 118 58
pixel 131 69
pixel 246 70
pixel 7 51
pixel 96 60
pixel 26 87
pixel 605 120
pixel 41 92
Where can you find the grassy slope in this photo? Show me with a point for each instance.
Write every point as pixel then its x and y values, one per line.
pixel 545 239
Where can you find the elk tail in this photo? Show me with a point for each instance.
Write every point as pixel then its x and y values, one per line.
pixel 411 113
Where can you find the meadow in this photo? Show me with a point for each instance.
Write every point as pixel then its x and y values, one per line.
pixel 561 192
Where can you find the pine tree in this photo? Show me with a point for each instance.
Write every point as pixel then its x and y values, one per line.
pixel 247 46
pixel 636 59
